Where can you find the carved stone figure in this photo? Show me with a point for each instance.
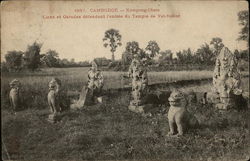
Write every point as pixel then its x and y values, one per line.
pixel 178 116
pixel 93 90
pixel 95 82
pixel 14 95
pixel 226 78
pixel 54 99
pixel 139 85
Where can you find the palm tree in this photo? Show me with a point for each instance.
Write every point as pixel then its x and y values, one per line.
pixel 112 38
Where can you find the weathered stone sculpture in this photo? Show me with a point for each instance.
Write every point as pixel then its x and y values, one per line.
pixel 81 101
pixel 93 91
pixel 139 85
pixel 95 82
pixel 54 99
pixel 14 95
pixel 178 116
pixel 226 78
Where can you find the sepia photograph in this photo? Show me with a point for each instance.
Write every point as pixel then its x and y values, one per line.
pixel 125 80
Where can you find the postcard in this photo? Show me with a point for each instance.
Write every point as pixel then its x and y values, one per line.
pixel 125 80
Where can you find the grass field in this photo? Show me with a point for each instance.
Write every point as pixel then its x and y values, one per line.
pixel 109 131
pixel 35 85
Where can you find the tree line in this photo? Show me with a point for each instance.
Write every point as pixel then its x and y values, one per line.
pixel 205 55
pixel 32 59
pixel 203 58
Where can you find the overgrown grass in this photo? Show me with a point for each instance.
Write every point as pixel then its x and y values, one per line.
pixel 35 84
pixel 109 131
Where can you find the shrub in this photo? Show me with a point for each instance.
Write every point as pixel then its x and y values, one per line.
pixel 14 60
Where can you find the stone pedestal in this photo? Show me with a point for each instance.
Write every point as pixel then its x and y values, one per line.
pixel 136 109
pixel 99 99
pixel 84 97
pixel 53 118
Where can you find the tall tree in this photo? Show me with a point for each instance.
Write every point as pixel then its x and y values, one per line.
pixel 72 62
pixel 14 60
pixel 32 56
pixel 112 38
pixel 166 57
pixel 180 57
pixel 189 57
pixel 204 55
pixel 132 48
pixel 102 61
pixel 243 17
pixel 51 58
pixel 152 48
pixel 126 58
pixel 64 62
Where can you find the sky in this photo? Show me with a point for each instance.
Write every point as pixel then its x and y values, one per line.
pixel 22 23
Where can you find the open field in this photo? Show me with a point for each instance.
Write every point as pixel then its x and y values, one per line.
pixel 78 76
pixel 110 131
pixel 35 85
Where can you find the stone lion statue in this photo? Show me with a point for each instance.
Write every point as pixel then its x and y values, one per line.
pixel 14 95
pixel 54 96
pixel 178 116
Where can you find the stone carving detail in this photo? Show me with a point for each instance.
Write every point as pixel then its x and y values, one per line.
pixel 93 90
pixel 14 95
pixel 54 99
pixel 138 73
pixel 178 116
pixel 226 78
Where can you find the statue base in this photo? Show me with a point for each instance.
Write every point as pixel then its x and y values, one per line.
pixel 221 106
pixel 211 97
pixel 136 109
pixel 84 99
pixel 76 106
pixel 99 100
pixel 53 118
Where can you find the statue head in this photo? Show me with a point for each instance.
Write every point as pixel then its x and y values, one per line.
pixel 177 98
pixel 94 66
pixel 54 84
pixel 226 58
pixel 15 84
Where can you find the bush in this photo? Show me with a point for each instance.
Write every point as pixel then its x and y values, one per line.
pixel 14 60
pixel 32 56
pixel 4 67
pixel 114 64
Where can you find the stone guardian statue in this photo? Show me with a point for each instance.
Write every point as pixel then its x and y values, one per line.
pixel 226 79
pixel 14 95
pixel 92 92
pixel 138 73
pixel 54 99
